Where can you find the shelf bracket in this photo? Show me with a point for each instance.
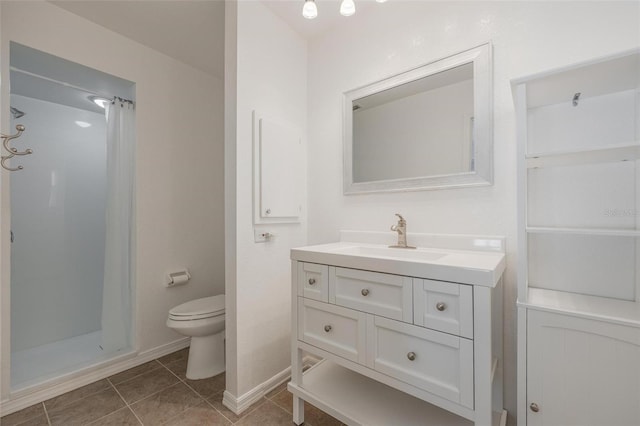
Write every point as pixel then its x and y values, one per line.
pixel 576 97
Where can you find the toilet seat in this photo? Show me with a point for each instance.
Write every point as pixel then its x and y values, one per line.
pixel 205 307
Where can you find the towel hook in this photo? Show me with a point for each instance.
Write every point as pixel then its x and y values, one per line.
pixel 576 98
pixel 11 150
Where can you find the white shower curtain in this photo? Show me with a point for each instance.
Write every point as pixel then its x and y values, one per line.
pixel 116 302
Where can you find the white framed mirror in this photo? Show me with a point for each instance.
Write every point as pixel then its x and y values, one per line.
pixel 424 129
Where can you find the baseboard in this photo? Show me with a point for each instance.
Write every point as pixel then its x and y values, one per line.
pixel 32 395
pixel 241 403
pixel 503 418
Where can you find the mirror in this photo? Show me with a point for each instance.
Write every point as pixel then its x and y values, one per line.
pixel 427 128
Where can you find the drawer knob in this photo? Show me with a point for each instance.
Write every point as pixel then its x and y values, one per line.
pixel 441 306
pixel 534 407
pixel 365 292
pixel 312 281
pixel 411 356
pixel 327 328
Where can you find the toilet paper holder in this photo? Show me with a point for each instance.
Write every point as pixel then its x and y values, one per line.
pixel 178 278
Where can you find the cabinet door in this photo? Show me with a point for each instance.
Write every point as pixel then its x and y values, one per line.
pixel 581 372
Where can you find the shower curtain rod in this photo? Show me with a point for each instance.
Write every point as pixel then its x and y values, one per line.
pixel 62 83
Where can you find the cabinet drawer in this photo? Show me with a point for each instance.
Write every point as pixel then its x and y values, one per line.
pixel 436 362
pixel 380 294
pixel 332 328
pixel 443 306
pixel 313 281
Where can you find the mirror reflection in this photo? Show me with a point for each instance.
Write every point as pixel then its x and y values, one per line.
pixel 423 127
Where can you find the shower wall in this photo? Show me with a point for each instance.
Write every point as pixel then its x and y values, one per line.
pixel 58 224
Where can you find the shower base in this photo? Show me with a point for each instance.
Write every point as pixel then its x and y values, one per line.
pixel 42 363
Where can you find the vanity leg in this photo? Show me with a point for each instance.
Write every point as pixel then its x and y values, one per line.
pixel 298 410
pixel 296 378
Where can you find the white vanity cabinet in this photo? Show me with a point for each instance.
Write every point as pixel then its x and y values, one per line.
pixel 396 349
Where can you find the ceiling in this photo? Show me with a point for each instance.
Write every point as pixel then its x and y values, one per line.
pixel 191 31
pixel 329 16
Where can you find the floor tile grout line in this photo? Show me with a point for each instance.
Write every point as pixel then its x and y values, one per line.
pixel 44 403
pixel 182 381
pixel 220 412
pixel 151 394
pixel 28 419
pixel 247 412
pixel 205 398
pixel 279 405
pixel 195 391
pixel 137 375
pixel 108 414
pixel 135 415
pixel 127 405
pixel 165 364
pixel 189 386
pixel 117 391
pixel 46 413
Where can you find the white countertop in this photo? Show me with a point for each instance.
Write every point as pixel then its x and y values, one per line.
pixel 476 267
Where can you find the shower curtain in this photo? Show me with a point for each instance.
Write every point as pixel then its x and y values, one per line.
pixel 116 302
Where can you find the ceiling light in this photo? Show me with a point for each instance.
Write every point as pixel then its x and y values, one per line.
pixel 347 8
pixel 309 10
pixel 83 124
pixel 381 1
pixel 100 101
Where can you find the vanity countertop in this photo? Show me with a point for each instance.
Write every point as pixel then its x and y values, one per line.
pixel 477 267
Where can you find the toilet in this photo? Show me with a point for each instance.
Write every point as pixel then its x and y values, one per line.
pixel 203 321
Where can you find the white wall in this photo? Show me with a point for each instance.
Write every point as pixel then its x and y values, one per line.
pixel 528 37
pixel 271 78
pixel 58 221
pixel 179 159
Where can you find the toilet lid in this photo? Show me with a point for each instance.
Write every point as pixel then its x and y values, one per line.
pixel 199 307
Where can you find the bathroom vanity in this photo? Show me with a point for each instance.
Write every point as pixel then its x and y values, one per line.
pixel 406 336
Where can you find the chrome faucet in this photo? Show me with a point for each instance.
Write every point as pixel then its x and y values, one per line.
pixel 401 229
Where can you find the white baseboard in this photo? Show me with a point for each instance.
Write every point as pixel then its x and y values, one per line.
pixel 241 403
pixel 32 395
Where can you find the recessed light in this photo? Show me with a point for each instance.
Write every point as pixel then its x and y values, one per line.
pixel 100 101
pixel 347 8
pixel 83 124
pixel 310 10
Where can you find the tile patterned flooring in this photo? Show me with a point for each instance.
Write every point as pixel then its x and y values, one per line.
pixel 158 393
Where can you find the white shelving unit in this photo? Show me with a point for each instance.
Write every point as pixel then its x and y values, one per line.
pixel 579 243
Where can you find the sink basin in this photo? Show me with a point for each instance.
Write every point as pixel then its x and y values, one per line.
pixel 392 253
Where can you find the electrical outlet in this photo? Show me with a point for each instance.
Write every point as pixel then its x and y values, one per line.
pixel 262 236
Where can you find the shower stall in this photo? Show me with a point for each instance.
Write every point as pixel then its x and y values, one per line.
pixel 71 218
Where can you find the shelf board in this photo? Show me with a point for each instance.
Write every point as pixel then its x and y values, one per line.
pixel 359 400
pixel 593 78
pixel 613 232
pixel 624 152
pixel 591 307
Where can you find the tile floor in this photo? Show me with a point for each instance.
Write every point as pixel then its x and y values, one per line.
pixel 158 393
